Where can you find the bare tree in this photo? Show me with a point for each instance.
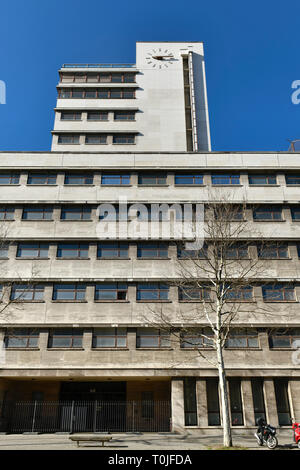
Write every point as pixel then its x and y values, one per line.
pixel 218 279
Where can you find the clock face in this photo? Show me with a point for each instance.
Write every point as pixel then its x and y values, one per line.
pixel 159 58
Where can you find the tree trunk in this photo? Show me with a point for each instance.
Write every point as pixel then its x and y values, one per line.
pixel 227 438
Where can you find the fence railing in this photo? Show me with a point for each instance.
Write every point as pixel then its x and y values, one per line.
pixel 86 416
pixel 104 66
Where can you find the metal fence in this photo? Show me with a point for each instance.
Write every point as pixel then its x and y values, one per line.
pixel 86 416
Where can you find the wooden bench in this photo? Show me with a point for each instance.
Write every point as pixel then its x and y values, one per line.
pixel 90 438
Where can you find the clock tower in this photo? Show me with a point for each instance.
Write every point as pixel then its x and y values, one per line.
pixel 172 96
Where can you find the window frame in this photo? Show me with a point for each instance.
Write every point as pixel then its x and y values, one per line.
pixel 159 290
pixel 29 336
pixel 79 288
pixel 284 288
pixel 40 247
pixel 160 336
pixel 119 289
pixel 73 337
pixel 79 250
pixel 116 336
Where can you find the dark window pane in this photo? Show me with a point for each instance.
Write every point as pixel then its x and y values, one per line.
pixel 258 399
pixel 282 402
pixel 236 402
pixel 213 406
pixel 190 402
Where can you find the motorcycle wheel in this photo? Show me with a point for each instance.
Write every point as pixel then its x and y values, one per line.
pixel 272 442
pixel 298 444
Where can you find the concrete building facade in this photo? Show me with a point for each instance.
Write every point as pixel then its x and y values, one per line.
pixel 80 334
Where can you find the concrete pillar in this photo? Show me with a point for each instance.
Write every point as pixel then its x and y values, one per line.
pixel 177 404
pixel 247 399
pixel 294 399
pixel 87 338
pixel 131 338
pixel 201 403
pixel 270 402
pixel 43 339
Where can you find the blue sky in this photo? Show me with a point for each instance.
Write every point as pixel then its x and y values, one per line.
pixel 251 50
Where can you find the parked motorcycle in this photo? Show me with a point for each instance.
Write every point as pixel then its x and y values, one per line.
pixel 296 428
pixel 266 434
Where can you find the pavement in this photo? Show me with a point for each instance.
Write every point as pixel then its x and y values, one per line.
pixel 132 441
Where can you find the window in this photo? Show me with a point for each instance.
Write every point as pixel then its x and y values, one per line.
pixel 190 402
pixel 193 294
pixel 295 212
pixel 242 338
pixel 37 213
pixel 41 178
pixel 64 94
pixel 99 93
pixel 4 250
pixel 65 338
pixel 258 399
pixel 152 338
pixel 73 250
pixel 201 253
pixel 70 116
pixel 9 178
pixel 196 338
pixel 123 139
pixel 152 179
pixel 152 250
pixel 284 338
pixel 112 250
pixel 267 213
pixel 189 179
pixel 236 405
pixel 115 179
pixel 32 250
pixel 273 251
pixel 282 402
pixel 74 178
pixel 67 77
pixel 111 291
pixel 213 405
pixel 152 291
pixel 7 213
pixel 124 115
pixel 229 213
pixel 109 338
pixel 95 139
pixel 278 293
pixel 76 213
pixel 239 294
pixel 69 292
pixel 225 179
pixel 21 338
pixel 27 293
pixel 235 251
pixel 262 179
pixel 97 116
pixel 68 139
pixel 292 179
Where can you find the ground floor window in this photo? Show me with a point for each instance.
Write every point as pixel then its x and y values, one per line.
pixel 282 402
pixel 190 402
pixel 213 405
pixel 258 399
pixel 236 404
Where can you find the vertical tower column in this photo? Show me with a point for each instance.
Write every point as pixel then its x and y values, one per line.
pixel 177 404
pixel 270 401
pixel 201 403
pixel 247 400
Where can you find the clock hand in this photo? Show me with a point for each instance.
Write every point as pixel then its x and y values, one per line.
pixel 161 57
